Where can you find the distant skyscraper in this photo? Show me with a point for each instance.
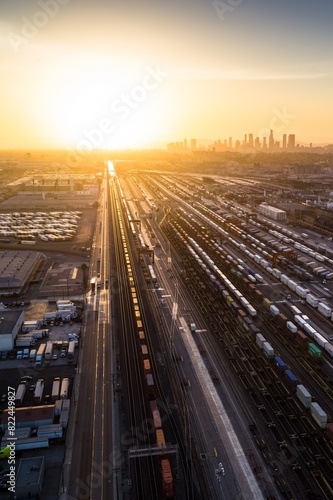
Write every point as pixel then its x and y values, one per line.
pixel 251 140
pixel 284 143
pixel 193 144
pixel 264 143
pixel 230 142
pixel 185 143
pixel 291 141
pixel 271 140
pixel 245 139
pixel 257 143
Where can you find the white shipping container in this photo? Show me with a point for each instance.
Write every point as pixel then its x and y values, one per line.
pixel 304 396
pixel 268 350
pixel 318 413
pixel 302 292
pixel 292 285
pixel 260 339
pixel 299 320
pixel 284 279
pixel 291 326
pixel 312 300
pixel 324 310
pixel 274 310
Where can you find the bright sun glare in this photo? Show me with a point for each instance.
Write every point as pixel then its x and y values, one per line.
pixel 99 110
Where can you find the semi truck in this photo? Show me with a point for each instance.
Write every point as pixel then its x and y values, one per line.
pixel 40 354
pixel 19 395
pixel 71 349
pixel 64 388
pixel 39 389
pixel 93 285
pixel 32 355
pixel 55 389
pixel 48 350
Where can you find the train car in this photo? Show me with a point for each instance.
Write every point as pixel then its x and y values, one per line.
pixel 167 478
pixel 291 379
pixel 314 351
pixel 301 339
pixel 329 349
pixel 304 396
pixel 144 351
pixel 152 273
pixel 156 415
pixel 160 440
pixel 280 364
pixel 150 386
pixel 146 366
pixel 282 319
pixel 318 414
pixel 142 337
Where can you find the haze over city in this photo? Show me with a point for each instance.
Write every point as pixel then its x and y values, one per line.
pixel 141 74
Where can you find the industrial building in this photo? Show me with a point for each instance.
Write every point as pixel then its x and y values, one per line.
pixel 16 268
pixel 29 477
pixel 272 212
pixel 10 324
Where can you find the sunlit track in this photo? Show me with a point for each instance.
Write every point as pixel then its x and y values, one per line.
pixel 132 379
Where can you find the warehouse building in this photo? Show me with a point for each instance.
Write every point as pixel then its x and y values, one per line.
pixel 10 324
pixel 29 477
pixel 16 269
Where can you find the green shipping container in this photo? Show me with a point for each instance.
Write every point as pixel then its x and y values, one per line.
pixel 314 351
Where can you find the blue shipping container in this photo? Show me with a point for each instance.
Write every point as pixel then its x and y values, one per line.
pixel 280 364
pixel 291 378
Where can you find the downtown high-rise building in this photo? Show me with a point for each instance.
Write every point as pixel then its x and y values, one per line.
pixel 271 140
pixel 291 141
pixel 284 141
pixel 193 144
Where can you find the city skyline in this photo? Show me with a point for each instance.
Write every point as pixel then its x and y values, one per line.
pixel 82 75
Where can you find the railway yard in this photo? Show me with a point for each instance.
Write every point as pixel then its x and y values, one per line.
pixel 228 313
pixel 205 363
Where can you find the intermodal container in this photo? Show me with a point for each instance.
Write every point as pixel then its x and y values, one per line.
pixel 303 395
pixel 291 378
pixel 318 415
pixel 301 338
pixel 314 351
pixel 167 478
pixel 160 440
pixel 260 339
pixel 280 364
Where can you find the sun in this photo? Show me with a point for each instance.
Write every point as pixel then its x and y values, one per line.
pixel 104 109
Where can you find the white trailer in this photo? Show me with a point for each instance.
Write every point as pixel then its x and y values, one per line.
pixel 274 310
pixel 48 350
pixel 302 292
pixel 32 355
pixel 324 310
pixel 303 395
pixel 312 300
pixel 55 389
pixel 318 415
pixel 38 394
pixel 291 326
pixel 260 339
pixel 268 350
pixel 64 388
pixel 19 395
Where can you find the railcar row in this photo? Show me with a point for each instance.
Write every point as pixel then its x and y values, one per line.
pixel 220 276
pixel 167 478
pixel 301 320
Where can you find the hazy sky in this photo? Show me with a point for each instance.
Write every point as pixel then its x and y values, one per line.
pixel 130 73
